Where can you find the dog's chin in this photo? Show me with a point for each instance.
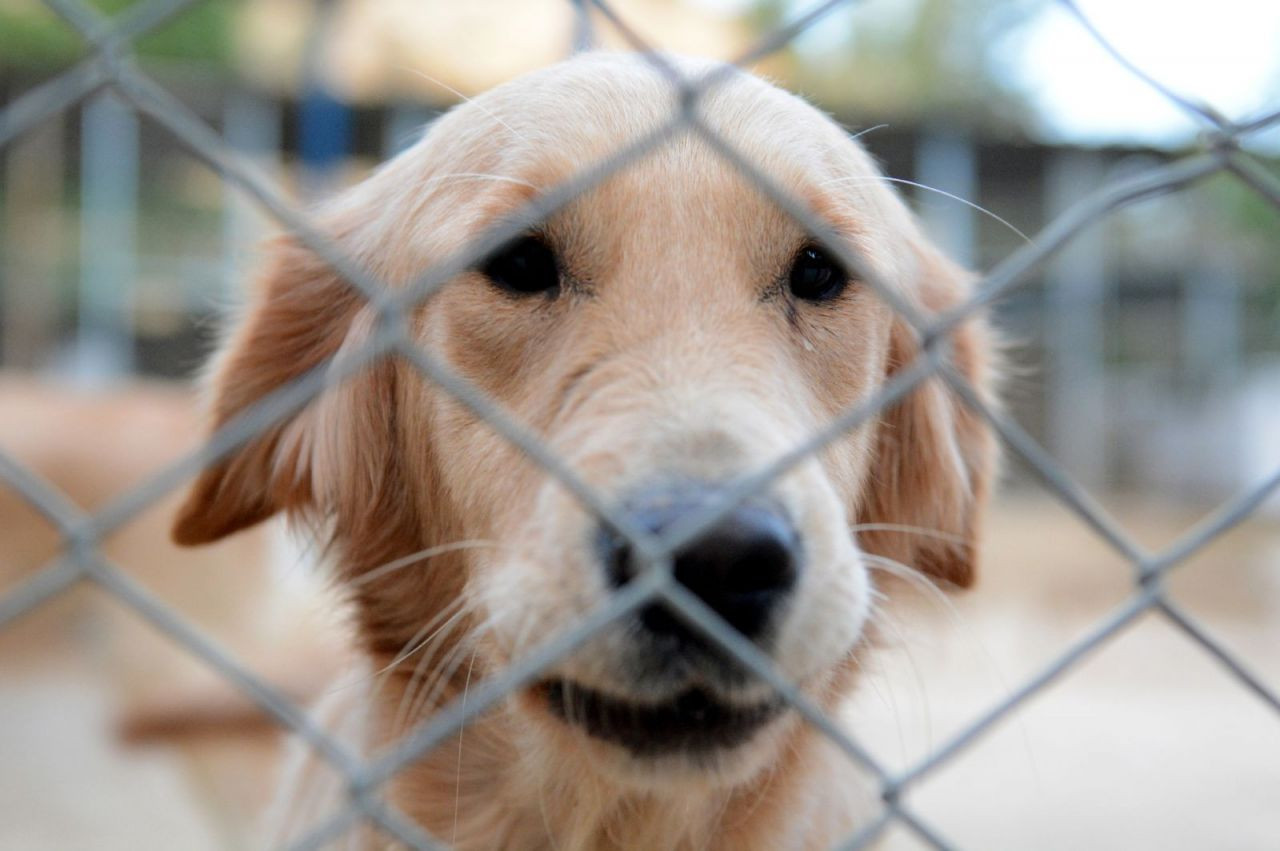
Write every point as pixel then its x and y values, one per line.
pixel 694 735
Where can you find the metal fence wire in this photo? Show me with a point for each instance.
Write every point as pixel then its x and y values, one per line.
pixel 109 65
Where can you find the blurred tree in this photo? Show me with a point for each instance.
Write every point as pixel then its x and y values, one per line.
pixel 34 38
pixel 935 59
pixel 1251 222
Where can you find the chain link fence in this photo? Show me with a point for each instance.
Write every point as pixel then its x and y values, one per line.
pixel 109 66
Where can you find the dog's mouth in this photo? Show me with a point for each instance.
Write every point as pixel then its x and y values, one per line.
pixel 695 721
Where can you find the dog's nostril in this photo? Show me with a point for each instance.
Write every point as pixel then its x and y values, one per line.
pixel 743 567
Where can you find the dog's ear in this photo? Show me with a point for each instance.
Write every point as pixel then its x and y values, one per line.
pixel 934 457
pixel 299 314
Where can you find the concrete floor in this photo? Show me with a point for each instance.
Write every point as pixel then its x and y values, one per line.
pixel 1147 744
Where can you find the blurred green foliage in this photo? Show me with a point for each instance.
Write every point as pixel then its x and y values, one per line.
pixel 1252 222
pixel 34 38
pixel 1247 208
pixel 919 60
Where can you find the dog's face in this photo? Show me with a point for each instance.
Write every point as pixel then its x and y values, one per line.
pixel 664 334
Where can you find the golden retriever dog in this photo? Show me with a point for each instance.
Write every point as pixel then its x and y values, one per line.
pixel 668 331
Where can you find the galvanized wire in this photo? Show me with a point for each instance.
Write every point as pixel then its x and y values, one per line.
pixel 109 66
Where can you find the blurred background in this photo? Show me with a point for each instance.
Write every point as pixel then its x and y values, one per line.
pixel 1145 360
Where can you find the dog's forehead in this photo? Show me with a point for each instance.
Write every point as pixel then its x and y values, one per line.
pixel 486 159
pixel 576 114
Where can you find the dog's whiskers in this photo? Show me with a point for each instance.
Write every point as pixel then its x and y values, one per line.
pixel 886 620
pixel 424 692
pixel 431 688
pixel 882 616
pixel 415 643
pixel 457 799
pixel 864 131
pixel 424 636
pixel 908 530
pixel 430 672
pixel 477 104
pixel 479 175
pixel 885 179
pixel 411 559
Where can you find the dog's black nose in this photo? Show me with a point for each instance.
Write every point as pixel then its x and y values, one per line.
pixel 743 566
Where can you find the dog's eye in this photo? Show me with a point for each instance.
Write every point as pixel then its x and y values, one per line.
pixel 815 275
pixel 524 266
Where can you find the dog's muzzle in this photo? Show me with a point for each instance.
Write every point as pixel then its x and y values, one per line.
pixel 683 692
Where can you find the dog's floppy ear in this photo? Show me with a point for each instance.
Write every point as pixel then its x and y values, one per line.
pixel 935 457
pixel 299 314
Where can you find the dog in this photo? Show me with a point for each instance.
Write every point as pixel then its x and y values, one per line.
pixel 666 332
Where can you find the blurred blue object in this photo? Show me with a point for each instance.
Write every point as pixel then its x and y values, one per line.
pixel 326 132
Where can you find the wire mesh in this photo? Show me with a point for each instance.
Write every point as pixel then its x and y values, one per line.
pixel 109 66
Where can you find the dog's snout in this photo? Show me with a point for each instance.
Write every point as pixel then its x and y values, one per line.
pixel 743 566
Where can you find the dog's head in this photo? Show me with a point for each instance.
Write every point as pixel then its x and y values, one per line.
pixel 665 333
